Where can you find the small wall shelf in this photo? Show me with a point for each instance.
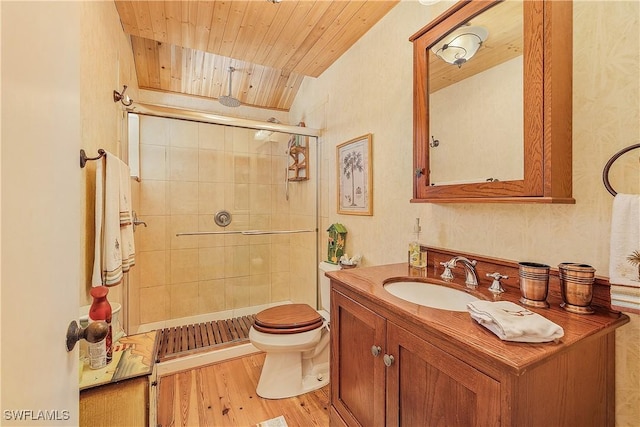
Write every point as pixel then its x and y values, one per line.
pixel 298 149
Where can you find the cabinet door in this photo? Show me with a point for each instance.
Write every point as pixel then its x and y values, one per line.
pixel 118 404
pixel 428 387
pixel 357 375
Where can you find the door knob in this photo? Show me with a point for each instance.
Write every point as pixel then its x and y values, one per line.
pixel 95 332
pixel 388 360
pixel 375 350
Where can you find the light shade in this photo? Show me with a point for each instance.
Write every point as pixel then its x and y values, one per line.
pixel 263 134
pixel 460 45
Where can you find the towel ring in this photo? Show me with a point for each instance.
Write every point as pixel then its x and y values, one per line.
pixel 84 158
pixel 605 171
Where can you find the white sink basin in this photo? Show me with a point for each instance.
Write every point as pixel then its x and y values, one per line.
pixel 431 295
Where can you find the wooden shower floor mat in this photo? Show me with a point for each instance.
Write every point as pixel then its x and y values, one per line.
pixel 190 339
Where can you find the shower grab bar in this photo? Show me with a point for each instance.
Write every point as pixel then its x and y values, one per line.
pixel 244 233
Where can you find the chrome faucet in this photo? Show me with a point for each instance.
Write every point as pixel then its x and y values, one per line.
pixel 469 266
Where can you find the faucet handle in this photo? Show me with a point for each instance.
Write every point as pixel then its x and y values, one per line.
pixel 496 287
pixel 447 274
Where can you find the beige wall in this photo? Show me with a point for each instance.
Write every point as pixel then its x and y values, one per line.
pixel 369 90
pixel 106 64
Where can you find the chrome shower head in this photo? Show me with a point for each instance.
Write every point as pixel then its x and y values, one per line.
pixel 228 100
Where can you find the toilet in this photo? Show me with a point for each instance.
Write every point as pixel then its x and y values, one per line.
pixel 295 338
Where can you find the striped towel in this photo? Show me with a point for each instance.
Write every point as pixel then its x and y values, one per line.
pixel 114 245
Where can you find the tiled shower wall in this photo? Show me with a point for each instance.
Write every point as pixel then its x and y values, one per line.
pixel 189 171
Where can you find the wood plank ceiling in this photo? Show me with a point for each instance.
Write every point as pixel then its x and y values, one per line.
pixel 188 46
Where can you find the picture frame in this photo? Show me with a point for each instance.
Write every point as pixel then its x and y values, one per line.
pixel 355 176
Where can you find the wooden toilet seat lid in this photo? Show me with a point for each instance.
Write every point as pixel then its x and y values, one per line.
pixel 287 319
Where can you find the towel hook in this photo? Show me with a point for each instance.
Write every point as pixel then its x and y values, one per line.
pixel 605 171
pixel 118 96
pixel 84 158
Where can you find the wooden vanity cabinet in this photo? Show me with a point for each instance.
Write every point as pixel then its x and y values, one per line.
pixel 421 386
pixel 434 380
pixel 357 376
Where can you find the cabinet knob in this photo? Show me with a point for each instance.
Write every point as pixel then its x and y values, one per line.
pixel 388 360
pixel 375 350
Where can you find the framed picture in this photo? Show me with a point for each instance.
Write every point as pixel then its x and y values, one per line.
pixel 355 176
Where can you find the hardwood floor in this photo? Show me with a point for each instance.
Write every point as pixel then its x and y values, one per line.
pixel 224 394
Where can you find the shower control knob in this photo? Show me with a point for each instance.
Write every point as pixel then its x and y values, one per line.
pixel 375 350
pixel 388 360
pixel 222 218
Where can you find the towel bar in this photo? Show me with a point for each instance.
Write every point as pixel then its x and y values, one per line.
pixel 84 158
pixel 605 171
pixel 244 233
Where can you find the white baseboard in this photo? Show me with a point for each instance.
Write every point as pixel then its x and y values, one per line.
pixel 204 358
pixel 208 317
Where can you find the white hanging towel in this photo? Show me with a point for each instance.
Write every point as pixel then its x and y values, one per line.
pixel 625 240
pixel 114 247
pixel 511 322
pixel 126 219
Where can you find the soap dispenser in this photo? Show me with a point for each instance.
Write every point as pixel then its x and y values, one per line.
pixel 415 260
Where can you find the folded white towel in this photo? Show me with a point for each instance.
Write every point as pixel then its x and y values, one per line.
pixel 625 239
pixel 618 304
pixel 114 248
pixel 624 297
pixel 511 322
pixel 625 290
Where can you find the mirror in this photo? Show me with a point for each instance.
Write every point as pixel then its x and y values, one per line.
pixel 475 102
pixel 495 127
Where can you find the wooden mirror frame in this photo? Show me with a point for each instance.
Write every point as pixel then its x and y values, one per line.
pixel 547 59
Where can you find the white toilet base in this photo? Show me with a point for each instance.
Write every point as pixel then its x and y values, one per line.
pixel 282 376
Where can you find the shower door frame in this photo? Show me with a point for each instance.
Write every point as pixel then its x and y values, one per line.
pixel 208 118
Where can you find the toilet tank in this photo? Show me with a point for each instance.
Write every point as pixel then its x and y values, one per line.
pixel 324 283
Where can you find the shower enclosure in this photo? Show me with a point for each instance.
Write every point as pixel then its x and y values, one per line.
pixel 262 250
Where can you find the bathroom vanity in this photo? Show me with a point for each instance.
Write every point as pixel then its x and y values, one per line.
pixel 394 362
pixel 124 391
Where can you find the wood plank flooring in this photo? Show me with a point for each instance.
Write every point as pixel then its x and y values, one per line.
pixel 189 339
pixel 224 394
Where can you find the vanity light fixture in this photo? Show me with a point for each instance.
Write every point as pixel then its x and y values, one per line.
pixel 428 2
pixel 263 134
pixel 459 46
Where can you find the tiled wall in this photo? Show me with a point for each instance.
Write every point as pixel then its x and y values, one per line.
pixel 189 171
